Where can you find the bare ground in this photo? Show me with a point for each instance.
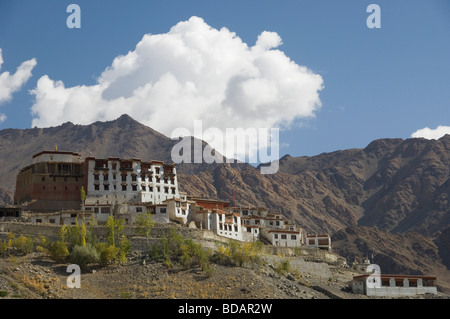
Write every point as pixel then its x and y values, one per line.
pixel 36 277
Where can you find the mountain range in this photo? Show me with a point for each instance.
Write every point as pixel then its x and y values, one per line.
pixel 389 201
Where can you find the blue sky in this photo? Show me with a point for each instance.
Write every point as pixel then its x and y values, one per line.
pixel 377 83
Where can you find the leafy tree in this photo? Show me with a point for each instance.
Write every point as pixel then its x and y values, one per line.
pixel 144 224
pixel 124 249
pixel 24 244
pixel 63 234
pixel 82 194
pixel 58 251
pixel 114 228
pixel 108 253
pixel 83 232
pixel 10 239
pixel 3 247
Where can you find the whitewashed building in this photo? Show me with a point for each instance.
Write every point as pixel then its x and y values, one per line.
pixel 126 187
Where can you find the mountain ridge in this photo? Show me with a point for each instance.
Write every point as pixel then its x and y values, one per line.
pixel 392 185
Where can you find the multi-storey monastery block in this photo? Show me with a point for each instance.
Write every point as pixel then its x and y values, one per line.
pixel 125 188
pixel 51 183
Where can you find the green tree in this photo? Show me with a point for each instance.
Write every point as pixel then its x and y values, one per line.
pixel 10 239
pixel 144 224
pixel 63 234
pixel 24 244
pixel 114 229
pixel 82 194
pixel 83 232
pixel 108 253
pixel 58 251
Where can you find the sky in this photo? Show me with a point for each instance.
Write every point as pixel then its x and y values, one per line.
pixel 313 69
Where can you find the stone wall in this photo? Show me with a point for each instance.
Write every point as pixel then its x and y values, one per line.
pixel 207 237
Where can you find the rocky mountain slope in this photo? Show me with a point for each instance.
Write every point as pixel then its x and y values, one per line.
pixel 396 186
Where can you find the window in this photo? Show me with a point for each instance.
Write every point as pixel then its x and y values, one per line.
pixel 105 177
pixel 134 178
pixel 134 188
pixel 43 179
pixel 106 187
pixel 173 191
pixel 124 188
pixel 143 177
pixel 73 215
pixel 157 170
pixel 249 230
pixel 97 187
pixel 96 177
pixel 144 188
pixel 158 179
pixel 52 221
pixel 114 165
pixel 150 188
pixel 275 236
pixel 293 237
pixel 38 220
pixel 283 236
pixel 124 177
pixel 163 210
pixel 65 188
pixel 166 190
pixel 165 180
pixel 138 209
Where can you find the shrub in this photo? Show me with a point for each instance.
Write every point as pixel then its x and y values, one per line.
pixel 239 253
pixel 24 244
pixel 283 267
pixel 3 247
pixel 58 251
pixel 108 253
pixel 177 249
pixel 84 255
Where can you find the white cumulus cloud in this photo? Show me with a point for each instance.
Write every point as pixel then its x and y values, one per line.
pixel 432 134
pixel 10 83
pixel 193 72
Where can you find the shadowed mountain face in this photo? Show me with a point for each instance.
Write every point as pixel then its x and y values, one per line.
pixel 398 186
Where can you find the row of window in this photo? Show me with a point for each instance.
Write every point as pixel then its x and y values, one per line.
pixel 66 188
pixel 134 188
pixel 103 164
pixel 43 178
pixel 284 236
pixel 134 178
